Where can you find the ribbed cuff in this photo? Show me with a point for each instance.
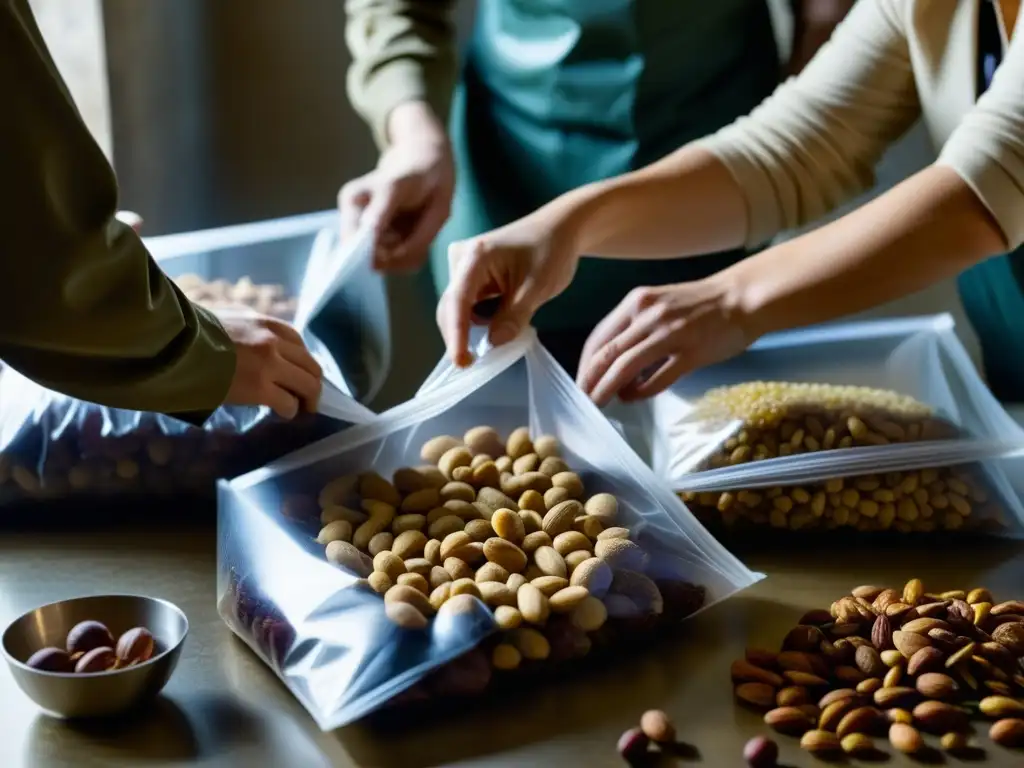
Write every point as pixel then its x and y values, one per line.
pixel 398 82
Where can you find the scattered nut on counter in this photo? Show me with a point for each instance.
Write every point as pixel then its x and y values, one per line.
pixel 896 664
pixel 761 752
pixel 503 521
pixel 783 419
pixel 90 648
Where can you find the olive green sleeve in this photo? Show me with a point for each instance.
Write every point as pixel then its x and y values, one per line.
pixel 84 309
pixel 402 50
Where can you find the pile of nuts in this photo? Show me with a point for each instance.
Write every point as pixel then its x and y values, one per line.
pixel 902 661
pixel 505 522
pixel 267 299
pixel 781 419
pixel 90 648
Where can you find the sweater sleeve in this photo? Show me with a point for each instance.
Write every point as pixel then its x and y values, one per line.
pixel 814 143
pixel 987 148
pixel 402 50
pixel 84 309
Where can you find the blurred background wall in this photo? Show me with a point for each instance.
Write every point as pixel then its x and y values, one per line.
pixel 235 110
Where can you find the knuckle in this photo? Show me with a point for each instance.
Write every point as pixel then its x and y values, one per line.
pixel 642 297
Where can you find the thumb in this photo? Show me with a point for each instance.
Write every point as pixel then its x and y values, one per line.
pixel 516 313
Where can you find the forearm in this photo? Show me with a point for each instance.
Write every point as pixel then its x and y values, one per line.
pixel 402 51
pixel 83 307
pixel 683 205
pixel 929 228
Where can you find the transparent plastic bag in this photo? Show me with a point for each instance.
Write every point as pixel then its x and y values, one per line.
pixel 325 631
pixel 54 447
pixel 876 426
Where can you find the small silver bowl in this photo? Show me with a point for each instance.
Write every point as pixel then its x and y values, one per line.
pixel 103 693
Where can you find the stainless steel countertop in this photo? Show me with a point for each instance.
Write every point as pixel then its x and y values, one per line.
pixel 223 707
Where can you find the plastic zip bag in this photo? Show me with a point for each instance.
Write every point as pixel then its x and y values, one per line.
pixel 54 447
pixel 944 428
pixel 326 633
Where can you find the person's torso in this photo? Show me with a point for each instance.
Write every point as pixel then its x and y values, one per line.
pixel 560 93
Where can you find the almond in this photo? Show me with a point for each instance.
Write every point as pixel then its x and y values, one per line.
pixel 860 720
pixel 802 638
pixel 899 610
pixel 820 743
pixel 936 685
pixel 897 715
pixel 939 717
pixel 891 658
pixel 932 611
pixel 788 720
pixel 905 738
pixel 869 686
pixel 759 657
pixel 848 675
pixel 909 643
pixel 794 660
pixel 1010 636
pixel 837 695
pixel 1010 606
pixel 505 553
pixel 868 593
pixel 561 517
pixel 761 695
pixel 1008 732
pixel 959 612
pixel 858 745
pixel 1001 707
pixel 618 553
pixel 804 679
pixel 892 677
pixel 533 605
pixel 924 625
pixel 793 696
pixel 869 662
pixel 834 713
pixel 927 659
pixel 944 640
pixel 898 696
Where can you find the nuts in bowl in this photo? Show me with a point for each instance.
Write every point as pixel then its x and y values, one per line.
pixel 95 656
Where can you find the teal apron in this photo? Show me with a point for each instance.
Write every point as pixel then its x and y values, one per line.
pixel 560 93
pixel 993 291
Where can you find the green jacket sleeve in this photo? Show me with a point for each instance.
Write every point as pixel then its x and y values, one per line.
pixel 84 309
pixel 402 50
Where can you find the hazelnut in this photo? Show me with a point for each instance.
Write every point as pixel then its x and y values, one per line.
pixel 135 646
pixel 96 660
pixel 51 660
pixel 87 635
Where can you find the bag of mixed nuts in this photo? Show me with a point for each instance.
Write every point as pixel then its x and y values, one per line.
pixel 871 426
pixel 55 447
pixel 494 527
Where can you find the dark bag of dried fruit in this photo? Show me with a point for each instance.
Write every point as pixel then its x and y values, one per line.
pixel 875 427
pixel 492 528
pixel 54 447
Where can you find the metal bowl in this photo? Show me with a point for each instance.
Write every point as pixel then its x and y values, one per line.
pixel 104 693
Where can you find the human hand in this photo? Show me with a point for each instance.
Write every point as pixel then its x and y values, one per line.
pixel 132 219
pixel 656 335
pixel 407 197
pixel 525 263
pixel 272 365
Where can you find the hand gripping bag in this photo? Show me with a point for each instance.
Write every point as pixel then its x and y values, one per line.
pixel 54 447
pixel 878 426
pixel 309 608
